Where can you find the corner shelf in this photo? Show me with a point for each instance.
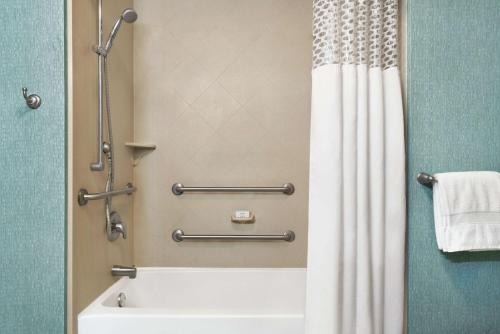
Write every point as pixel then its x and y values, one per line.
pixel 139 150
pixel 141 146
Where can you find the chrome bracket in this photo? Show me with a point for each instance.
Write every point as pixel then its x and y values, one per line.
pixel 82 200
pixel 426 179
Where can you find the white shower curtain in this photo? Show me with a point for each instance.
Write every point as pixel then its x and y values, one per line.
pixel 356 252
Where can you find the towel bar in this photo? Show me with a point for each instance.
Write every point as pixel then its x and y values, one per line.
pixel 178 236
pixel 426 179
pixel 287 189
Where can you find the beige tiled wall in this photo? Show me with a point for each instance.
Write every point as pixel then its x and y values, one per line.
pixel 92 254
pixel 223 88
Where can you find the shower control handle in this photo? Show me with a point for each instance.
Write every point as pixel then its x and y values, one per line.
pixel 115 226
pixel 33 101
pixel 120 228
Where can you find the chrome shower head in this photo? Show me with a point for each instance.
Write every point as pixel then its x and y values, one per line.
pixel 130 16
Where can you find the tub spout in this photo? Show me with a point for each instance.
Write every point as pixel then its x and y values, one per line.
pixel 117 270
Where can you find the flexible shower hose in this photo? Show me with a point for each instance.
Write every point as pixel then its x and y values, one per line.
pixel 110 154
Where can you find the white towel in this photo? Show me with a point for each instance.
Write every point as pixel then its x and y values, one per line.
pixel 467 211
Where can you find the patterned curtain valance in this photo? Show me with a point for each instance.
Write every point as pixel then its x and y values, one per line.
pixel 355 32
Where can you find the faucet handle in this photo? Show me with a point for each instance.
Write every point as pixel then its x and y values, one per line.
pixel 115 226
pixel 120 228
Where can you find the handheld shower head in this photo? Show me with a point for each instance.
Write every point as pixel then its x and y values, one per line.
pixel 128 15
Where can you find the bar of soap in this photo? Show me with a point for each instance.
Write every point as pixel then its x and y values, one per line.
pixel 243 217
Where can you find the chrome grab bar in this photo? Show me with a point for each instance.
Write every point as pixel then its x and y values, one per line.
pixel 287 189
pixel 179 235
pixel 84 196
pixel 426 179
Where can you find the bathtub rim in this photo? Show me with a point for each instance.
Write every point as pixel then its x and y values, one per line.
pixel 96 309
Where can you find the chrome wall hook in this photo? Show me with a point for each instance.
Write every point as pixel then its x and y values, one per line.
pixel 33 101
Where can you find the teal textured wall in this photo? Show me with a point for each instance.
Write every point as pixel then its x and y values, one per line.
pixel 32 168
pixel 453 125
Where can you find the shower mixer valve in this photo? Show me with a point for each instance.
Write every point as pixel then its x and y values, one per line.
pixel 116 227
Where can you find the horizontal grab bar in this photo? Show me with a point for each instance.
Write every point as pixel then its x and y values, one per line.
pixel 84 197
pixel 287 189
pixel 426 179
pixel 178 236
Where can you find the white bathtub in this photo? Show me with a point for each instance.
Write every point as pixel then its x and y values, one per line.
pixel 201 301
